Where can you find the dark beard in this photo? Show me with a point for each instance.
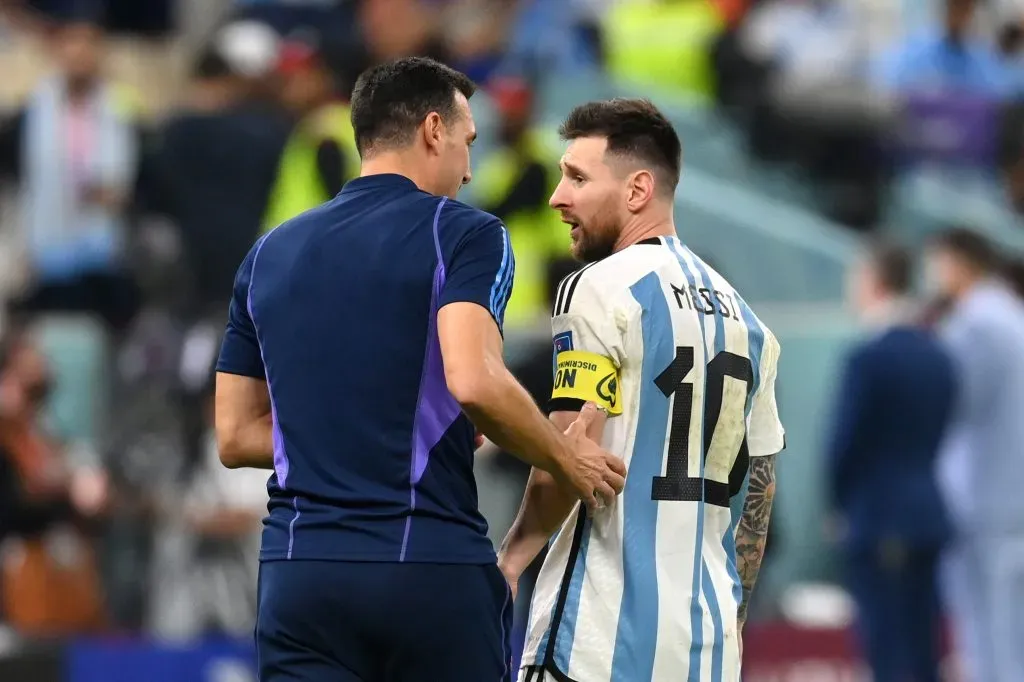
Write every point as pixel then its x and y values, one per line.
pixel 593 247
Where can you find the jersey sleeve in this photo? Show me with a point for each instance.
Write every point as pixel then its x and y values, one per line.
pixel 240 349
pixel 765 435
pixel 480 270
pixel 588 347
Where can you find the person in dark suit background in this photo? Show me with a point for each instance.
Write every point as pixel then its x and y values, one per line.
pixel 895 399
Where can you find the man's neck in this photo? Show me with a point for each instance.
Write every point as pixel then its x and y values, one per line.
pixel 78 89
pixel 396 163
pixel 640 229
pixel 212 96
pixel 887 311
pixel 971 285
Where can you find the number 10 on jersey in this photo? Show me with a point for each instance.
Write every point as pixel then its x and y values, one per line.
pixel 677 484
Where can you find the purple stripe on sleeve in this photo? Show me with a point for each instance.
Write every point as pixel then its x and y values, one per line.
pixel 280 457
pixel 436 409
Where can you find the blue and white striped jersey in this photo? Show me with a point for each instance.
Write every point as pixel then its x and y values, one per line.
pixel 648 589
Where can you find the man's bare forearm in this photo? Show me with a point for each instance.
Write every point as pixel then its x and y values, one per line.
pixel 249 446
pixel 243 420
pixel 544 509
pixel 504 412
pixel 752 530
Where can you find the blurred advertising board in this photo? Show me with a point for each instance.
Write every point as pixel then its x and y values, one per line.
pixel 138 661
pixel 777 652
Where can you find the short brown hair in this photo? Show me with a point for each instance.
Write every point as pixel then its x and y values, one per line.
pixel 969 247
pixel 391 100
pixel 893 266
pixel 634 128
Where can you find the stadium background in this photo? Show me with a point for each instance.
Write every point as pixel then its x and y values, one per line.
pixel 795 150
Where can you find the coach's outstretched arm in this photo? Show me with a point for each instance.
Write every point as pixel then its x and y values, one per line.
pixel 545 504
pixel 586 331
pixel 502 409
pixel 479 269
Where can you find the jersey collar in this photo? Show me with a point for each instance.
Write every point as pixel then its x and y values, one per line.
pixel 382 180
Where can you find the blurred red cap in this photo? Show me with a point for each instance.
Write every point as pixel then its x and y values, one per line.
pixel 511 96
pixel 296 56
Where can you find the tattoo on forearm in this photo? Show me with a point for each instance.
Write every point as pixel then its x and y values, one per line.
pixel 752 530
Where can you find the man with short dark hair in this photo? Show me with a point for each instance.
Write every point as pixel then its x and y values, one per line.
pixel 655 587
pixel 893 404
pixel 981 461
pixel 363 345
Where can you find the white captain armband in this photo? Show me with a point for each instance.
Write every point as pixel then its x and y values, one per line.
pixel 582 377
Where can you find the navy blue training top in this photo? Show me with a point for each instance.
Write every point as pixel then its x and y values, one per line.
pixel 337 309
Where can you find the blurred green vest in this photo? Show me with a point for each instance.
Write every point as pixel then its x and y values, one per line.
pixel 537 233
pixel 664 42
pixel 298 186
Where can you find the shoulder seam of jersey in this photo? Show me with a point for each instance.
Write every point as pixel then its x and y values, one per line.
pixel 567 289
pixel 437 230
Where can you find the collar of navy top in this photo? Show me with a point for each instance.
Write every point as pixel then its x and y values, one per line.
pixel 381 180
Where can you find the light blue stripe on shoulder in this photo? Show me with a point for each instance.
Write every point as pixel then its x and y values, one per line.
pixel 506 290
pixel 636 636
pixel 503 271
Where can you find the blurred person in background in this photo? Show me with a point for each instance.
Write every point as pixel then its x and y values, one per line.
pixel 947 85
pixel 208 552
pixel 949 57
pixel 390 29
pixel 1011 159
pixel 210 174
pixel 1013 272
pixel 474 36
pixel 555 37
pixel 514 183
pixel 321 155
pixel 338 23
pixel 893 405
pixel 212 171
pixel 73 151
pixel 286 16
pixel 663 43
pixel 802 66
pixel 252 49
pixel 49 579
pixel 982 457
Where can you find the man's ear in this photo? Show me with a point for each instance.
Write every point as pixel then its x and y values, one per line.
pixel 640 190
pixel 433 131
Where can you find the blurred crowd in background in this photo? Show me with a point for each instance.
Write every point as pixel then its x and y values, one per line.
pixel 146 144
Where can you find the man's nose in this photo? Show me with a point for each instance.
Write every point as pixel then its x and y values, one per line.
pixel 558 199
